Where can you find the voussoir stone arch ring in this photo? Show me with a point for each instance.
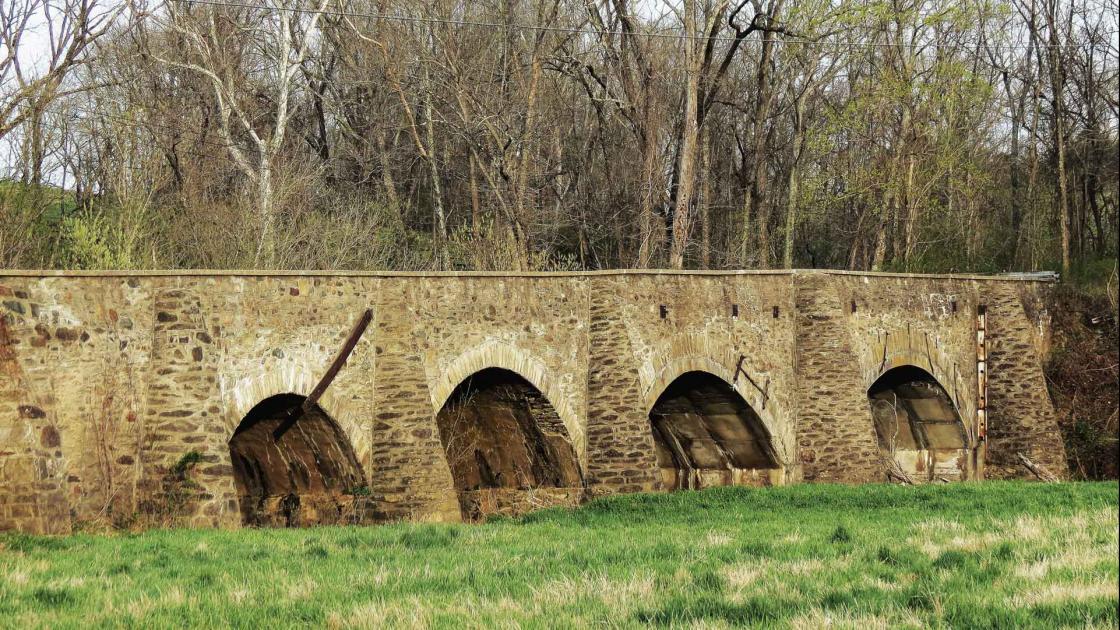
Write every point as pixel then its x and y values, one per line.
pixel 496 354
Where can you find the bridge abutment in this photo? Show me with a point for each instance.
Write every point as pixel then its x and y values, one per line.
pixel 1022 415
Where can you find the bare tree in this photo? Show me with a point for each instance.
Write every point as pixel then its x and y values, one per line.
pixel 274 41
pixel 70 28
pixel 704 79
pixel 558 134
pixel 42 43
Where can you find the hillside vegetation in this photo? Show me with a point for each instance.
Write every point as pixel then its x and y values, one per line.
pixel 909 135
pixel 1082 374
pixel 967 555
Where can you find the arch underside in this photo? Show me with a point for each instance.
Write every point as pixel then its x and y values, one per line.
pixel 506 446
pixel 918 426
pixel 296 468
pixel 707 435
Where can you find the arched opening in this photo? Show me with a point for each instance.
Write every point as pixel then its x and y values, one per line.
pixel 506 446
pixel 918 427
pixel 707 435
pixel 295 468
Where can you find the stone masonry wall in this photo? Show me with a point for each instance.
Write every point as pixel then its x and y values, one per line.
pixel 928 323
pixel 184 407
pixel 107 380
pixel 651 330
pixel 33 493
pixel 74 355
pixel 836 437
pixel 620 448
pixel 1022 415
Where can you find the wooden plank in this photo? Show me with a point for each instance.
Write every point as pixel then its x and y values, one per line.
pixel 332 371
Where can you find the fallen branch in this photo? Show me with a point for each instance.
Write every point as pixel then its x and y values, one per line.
pixel 1039 471
pixel 895 473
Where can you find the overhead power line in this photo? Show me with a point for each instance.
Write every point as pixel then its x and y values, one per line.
pixel 800 41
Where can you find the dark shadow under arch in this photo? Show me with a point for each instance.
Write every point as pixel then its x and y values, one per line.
pixel 707 435
pixel 918 426
pixel 506 446
pixel 308 476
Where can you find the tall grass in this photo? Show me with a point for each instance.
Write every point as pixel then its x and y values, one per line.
pixel 966 555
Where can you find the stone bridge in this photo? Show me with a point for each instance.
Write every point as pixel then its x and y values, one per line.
pixel 180 397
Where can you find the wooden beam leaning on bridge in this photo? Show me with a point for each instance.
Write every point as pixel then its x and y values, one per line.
pixel 339 360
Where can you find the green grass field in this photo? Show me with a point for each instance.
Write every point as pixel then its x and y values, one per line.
pixel 966 555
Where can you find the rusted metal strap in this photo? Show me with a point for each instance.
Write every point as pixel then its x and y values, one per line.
pixel 325 382
pixel 982 374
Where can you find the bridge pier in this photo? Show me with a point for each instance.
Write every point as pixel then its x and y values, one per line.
pixel 620 450
pixel 835 436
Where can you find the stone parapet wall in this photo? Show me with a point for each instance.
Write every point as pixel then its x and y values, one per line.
pixel 108 380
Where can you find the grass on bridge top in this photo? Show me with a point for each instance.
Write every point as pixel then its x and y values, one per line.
pixel 998 554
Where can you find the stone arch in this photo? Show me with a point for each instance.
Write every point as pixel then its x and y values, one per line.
pixel 903 357
pixel 495 354
pixel 665 374
pixel 656 376
pixel 941 365
pixel 706 434
pixel 918 426
pixel 244 393
pixel 506 446
pixel 293 466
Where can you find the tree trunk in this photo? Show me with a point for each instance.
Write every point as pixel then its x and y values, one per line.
pixel 911 228
pixel 388 183
pixel 649 227
pixel 1063 192
pixel 1017 111
pixel 264 258
pixel 522 201
pixel 689 147
pixel 433 169
pixel 745 240
pixel 682 211
pixel 703 201
pixel 762 211
pixel 879 257
pixel 794 178
pixel 1057 84
pixel 752 204
pixel 35 147
pixel 476 203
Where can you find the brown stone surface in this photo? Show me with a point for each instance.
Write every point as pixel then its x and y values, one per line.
pixel 1022 415
pixel 109 380
pixel 835 436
